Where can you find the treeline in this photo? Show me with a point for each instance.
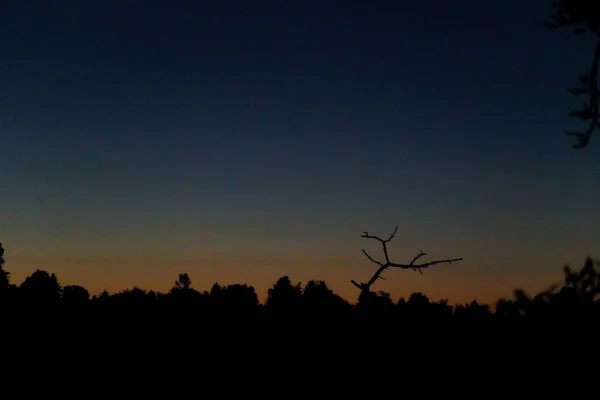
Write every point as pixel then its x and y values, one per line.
pixel 576 296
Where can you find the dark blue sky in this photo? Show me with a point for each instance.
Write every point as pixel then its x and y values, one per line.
pixel 244 142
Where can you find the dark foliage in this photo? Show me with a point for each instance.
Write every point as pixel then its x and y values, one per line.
pixel 583 16
pixel 4 276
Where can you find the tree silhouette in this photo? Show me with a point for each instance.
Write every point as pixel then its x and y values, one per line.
pixel 75 295
pixel 473 311
pixel 135 296
pixel 103 298
pixel 284 294
pixel 579 293
pixel 380 301
pixel 182 293
pixel 366 287
pixel 585 282
pixel 576 297
pixel 583 16
pixel 184 282
pixel 316 293
pixel 418 299
pixel 234 296
pixel 507 309
pixel 4 276
pixel 41 288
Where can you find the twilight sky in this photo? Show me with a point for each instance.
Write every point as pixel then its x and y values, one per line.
pixel 240 143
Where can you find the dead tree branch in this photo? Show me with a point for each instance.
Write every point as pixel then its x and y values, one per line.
pixel 366 287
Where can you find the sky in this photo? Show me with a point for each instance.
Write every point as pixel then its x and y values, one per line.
pixel 243 141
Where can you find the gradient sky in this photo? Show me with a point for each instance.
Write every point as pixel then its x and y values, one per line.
pixel 241 143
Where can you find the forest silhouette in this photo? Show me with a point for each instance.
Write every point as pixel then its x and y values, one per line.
pixel 576 297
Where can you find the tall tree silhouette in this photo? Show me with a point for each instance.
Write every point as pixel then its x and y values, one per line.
pixel 583 16
pixel 284 294
pixel 41 288
pixel 4 281
pixel 366 287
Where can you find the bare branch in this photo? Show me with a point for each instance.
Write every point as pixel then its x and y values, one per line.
pixel 421 254
pixel 356 284
pixel 366 287
pixel 371 258
pixel 383 242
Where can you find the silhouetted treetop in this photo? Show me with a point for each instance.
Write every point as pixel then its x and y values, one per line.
pixel 41 288
pixel 234 296
pixel 134 296
pixel 184 282
pixel 586 281
pixel 316 293
pixel 284 294
pixel 4 276
pixel 418 299
pixel 74 294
